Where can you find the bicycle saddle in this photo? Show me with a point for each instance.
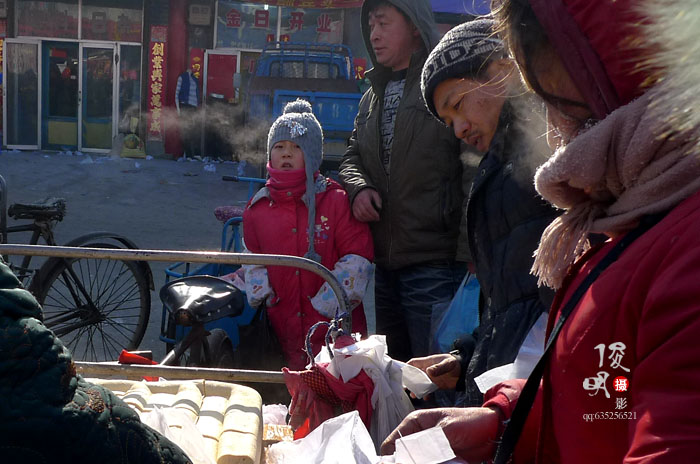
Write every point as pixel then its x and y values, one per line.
pixel 224 213
pixel 201 298
pixel 47 209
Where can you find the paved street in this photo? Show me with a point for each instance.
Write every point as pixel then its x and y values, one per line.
pixel 157 203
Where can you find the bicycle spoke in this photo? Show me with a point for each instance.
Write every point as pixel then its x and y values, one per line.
pixel 115 289
pixel 119 327
pixel 72 343
pixel 62 280
pixel 100 290
pixel 48 321
pixel 107 338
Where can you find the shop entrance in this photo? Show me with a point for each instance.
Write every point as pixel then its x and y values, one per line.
pixel 66 95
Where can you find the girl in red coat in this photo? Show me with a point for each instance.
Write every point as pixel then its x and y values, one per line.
pixel 301 213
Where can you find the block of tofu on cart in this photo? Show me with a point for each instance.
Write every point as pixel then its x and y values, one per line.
pixel 242 429
pixel 211 421
pixel 189 400
pixel 228 416
pixel 137 396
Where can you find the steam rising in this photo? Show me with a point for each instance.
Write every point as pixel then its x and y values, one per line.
pixel 244 139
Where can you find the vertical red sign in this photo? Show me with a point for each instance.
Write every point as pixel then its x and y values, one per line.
pixel 197 64
pixel 156 81
pixel 360 65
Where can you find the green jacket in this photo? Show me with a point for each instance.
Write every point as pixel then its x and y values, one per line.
pixel 50 414
pixel 423 194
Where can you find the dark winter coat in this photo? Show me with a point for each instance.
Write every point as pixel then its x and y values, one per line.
pixel 423 195
pixel 50 414
pixel 505 220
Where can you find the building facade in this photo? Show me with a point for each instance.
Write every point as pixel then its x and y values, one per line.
pixel 77 74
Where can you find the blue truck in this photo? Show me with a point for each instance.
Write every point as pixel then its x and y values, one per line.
pixel 323 74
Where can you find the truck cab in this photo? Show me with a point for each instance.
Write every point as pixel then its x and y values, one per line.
pixel 323 75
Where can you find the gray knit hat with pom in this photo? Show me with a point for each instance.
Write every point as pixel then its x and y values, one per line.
pixel 299 125
pixel 463 52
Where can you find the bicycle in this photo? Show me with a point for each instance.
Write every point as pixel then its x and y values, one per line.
pixel 97 307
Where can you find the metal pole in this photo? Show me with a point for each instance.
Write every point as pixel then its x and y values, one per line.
pixel 136 372
pixel 3 211
pixel 219 257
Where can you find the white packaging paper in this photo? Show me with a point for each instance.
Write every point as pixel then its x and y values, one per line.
pixel 530 352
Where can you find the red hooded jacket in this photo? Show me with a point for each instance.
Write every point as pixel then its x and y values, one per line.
pixel 278 225
pixel 648 301
pixel 621 384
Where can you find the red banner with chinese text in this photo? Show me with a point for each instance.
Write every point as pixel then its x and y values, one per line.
pixel 197 63
pixel 156 81
pixel 312 3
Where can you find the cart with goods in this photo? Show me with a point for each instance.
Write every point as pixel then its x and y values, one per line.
pixel 210 400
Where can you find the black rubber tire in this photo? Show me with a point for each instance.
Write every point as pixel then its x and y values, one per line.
pixel 119 290
pixel 216 350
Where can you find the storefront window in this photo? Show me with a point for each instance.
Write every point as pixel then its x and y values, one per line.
pixel 245 25
pixel 113 20
pixel 312 25
pixel 22 83
pixel 47 19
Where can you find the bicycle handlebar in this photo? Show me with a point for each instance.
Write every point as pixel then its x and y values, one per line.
pixel 256 180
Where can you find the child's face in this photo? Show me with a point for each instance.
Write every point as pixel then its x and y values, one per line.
pixel 286 155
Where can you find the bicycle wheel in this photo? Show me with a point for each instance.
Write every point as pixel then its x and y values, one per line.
pixel 216 350
pixel 97 307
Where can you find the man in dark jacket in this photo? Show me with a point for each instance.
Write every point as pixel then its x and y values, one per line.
pixel 470 84
pixel 404 176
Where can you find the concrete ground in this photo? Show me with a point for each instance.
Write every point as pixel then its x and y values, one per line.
pixel 157 203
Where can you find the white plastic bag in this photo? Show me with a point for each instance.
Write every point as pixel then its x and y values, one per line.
pixel 390 403
pixel 340 440
pixel 179 428
pixel 345 440
pixel 275 414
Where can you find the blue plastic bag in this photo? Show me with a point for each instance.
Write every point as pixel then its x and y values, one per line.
pixel 460 317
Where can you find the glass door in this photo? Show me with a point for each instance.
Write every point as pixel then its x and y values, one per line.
pixel 97 108
pixel 22 109
pixel 59 121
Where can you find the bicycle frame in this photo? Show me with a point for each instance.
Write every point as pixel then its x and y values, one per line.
pixel 38 229
pixel 44 229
